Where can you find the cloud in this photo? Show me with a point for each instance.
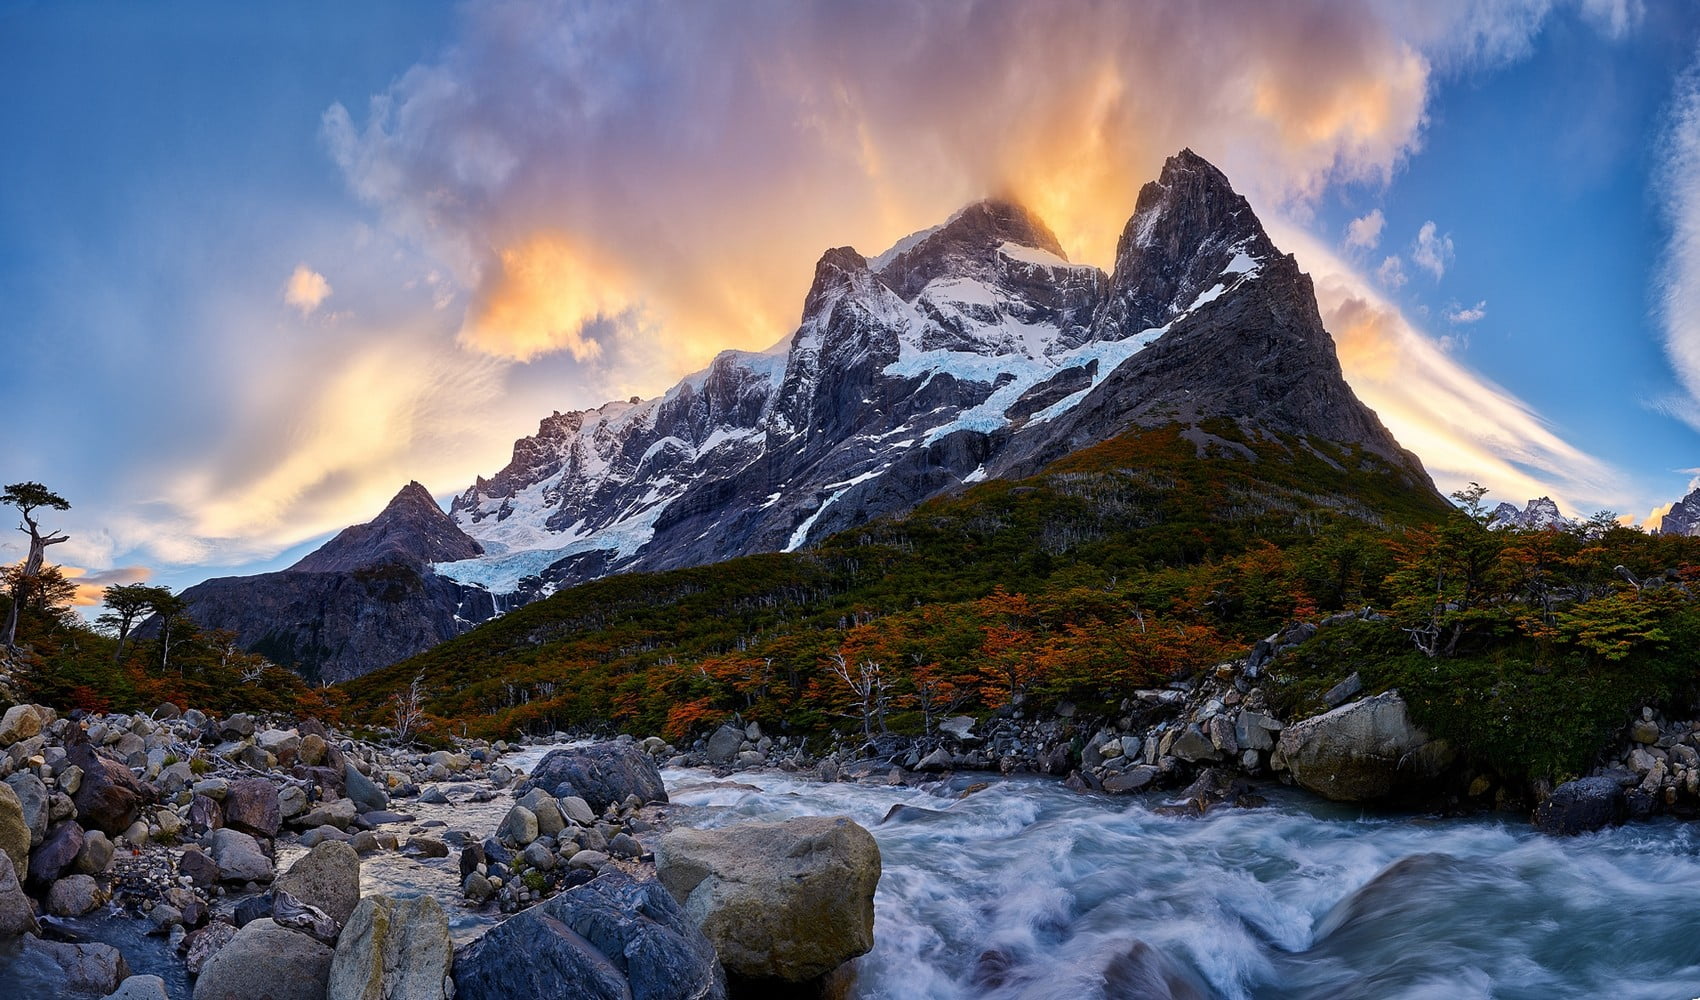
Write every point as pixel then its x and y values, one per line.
pixel 1365 233
pixel 1464 427
pixel 1459 316
pixel 1431 252
pixel 1679 284
pixel 306 289
pixel 91 586
pixel 1391 273
pixel 579 202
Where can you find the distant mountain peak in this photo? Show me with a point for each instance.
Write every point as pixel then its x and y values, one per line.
pixel 1684 516
pixel 1538 514
pixel 968 246
pixel 411 530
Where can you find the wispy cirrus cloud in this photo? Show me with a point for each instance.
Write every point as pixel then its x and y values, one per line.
pixel 1432 250
pixel 1679 283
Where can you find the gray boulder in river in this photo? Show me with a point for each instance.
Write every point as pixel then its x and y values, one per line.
pixel 393 950
pixel 265 960
pixel 1581 805
pixel 613 938
pixel 1360 752
pixel 602 775
pixel 787 901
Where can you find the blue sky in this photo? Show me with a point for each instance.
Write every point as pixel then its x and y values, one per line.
pixel 264 263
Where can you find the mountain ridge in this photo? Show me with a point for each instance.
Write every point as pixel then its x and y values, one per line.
pixel 971 350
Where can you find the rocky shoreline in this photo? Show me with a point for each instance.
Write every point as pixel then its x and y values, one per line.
pixel 176 820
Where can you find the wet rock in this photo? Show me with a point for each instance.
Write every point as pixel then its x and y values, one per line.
pixel 393 950
pixel 328 878
pixel 83 968
pixel 1144 973
pixel 251 805
pixel 16 915
pixel 1255 731
pixel 1131 780
pixel 291 966
pixel 1581 806
pixel 724 744
pixel 425 847
pixel 200 946
pixel 786 901
pixel 1362 751
pixel 239 857
pixel 74 896
pixel 613 937
pixel 140 988
pixel 603 775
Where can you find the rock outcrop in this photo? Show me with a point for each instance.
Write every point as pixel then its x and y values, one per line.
pixel 393 950
pixel 265 960
pixel 1360 752
pixel 602 775
pixel 788 901
pixel 612 937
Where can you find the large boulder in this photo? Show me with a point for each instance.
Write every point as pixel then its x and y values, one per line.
pixel 32 796
pixel 266 962
pixel 251 805
pixel 1581 806
pixel 109 798
pixel 602 775
pixel 724 744
pixel 1361 752
pixel 57 855
pixel 16 915
pixel 23 721
pixel 786 901
pixel 393 950
pixel 612 938
pixel 76 969
pixel 239 857
pixel 74 896
pixel 14 832
pixel 328 878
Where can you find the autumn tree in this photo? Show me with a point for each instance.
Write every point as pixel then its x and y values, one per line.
pixel 1009 666
pixel 29 498
pixel 126 604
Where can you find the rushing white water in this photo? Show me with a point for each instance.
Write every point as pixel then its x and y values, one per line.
pixel 1026 890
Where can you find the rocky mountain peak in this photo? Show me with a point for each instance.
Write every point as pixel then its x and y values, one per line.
pixel 969 246
pixel 410 531
pixel 1189 226
pixel 1684 516
pixel 1538 514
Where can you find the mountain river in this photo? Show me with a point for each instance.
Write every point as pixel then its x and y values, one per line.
pixel 1024 890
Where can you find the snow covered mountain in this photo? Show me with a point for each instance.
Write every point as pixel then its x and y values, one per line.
pixel 971 350
pixel 1684 516
pixel 1538 514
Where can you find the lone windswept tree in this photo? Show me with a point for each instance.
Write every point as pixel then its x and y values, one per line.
pixel 127 604
pixel 29 498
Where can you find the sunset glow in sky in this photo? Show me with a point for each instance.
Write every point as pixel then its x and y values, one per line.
pixel 262 264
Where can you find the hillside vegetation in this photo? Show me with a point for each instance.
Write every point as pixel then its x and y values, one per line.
pixel 1127 564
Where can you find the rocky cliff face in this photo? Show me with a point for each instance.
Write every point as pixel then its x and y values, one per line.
pixel 971 350
pixel 363 600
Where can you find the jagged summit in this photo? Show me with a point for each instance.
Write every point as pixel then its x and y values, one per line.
pixel 410 531
pixel 1538 514
pixel 1684 516
pixel 972 245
